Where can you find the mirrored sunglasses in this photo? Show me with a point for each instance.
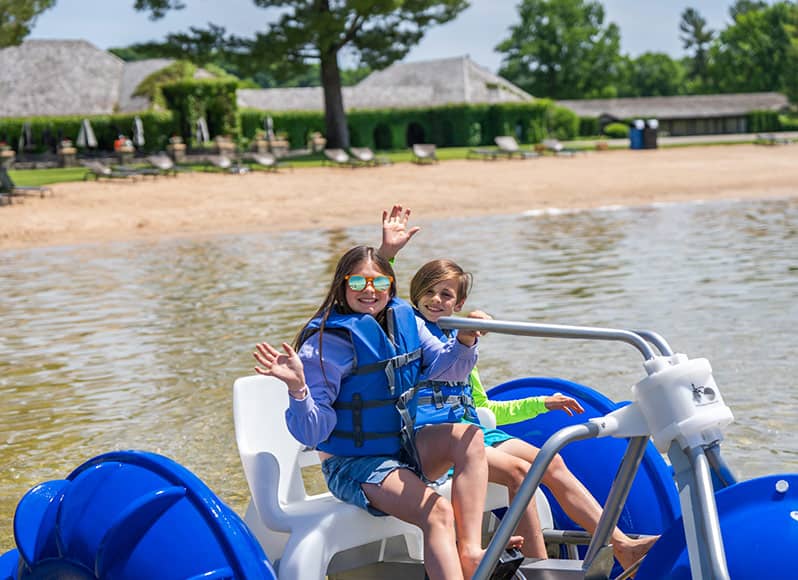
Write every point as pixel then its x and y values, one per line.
pixel 379 283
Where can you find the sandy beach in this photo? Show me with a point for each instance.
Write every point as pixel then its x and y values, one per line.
pixel 201 204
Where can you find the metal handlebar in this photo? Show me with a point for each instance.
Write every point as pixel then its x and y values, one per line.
pixel 559 331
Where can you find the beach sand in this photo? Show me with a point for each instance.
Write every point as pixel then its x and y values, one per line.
pixel 202 204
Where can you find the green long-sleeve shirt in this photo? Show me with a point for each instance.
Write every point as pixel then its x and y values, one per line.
pixel 513 411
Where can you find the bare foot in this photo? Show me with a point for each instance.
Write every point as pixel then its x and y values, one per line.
pixel 632 550
pixel 471 556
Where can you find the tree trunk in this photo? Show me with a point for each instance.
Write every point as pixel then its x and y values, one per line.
pixel 334 115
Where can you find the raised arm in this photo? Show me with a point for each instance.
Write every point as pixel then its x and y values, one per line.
pixel 395 233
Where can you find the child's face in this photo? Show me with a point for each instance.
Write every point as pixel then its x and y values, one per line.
pixel 440 300
pixel 368 300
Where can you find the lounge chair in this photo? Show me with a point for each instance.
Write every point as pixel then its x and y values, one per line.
pixel 509 146
pixel 483 153
pixel 341 158
pixel 367 156
pixel 98 170
pixel 163 164
pixel 424 153
pixel 771 139
pixel 265 161
pixel 9 190
pixel 224 163
pixel 554 146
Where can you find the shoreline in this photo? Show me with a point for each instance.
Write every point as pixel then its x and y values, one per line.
pixel 205 204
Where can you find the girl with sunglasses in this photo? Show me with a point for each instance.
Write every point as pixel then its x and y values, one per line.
pixel 347 367
pixel 439 289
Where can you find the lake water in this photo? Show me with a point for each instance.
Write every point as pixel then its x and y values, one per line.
pixel 137 345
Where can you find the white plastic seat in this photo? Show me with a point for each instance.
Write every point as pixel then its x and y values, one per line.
pixel 298 530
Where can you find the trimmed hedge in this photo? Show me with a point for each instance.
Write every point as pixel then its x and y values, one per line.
pixel 448 126
pixel 210 98
pixel 379 129
pixel 47 132
pixel 763 121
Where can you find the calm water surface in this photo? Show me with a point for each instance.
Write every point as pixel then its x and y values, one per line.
pixel 136 345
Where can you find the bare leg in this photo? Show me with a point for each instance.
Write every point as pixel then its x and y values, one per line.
pixel 510 471
pixel 578 502
pixel 404 495
pixel 461 445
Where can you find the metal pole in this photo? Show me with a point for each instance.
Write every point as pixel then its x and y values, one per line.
pixel 550 330
pixel 616 498
pixel 657 340
pixel 699 513
pixel 527 490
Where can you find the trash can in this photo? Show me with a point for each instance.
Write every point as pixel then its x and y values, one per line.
pixel 636 134
pixel 650 134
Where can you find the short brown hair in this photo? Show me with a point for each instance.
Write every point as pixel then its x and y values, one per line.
pixel 435 272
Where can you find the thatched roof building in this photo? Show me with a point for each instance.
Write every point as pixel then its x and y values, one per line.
pixel 71 77
pixel 404 84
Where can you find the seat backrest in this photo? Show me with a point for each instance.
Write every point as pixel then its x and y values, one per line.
pixel 424 150
pixel 259 405
pixel 264 158
pixel 362 153
pixel 506 143
pixel 337 155
pixel 97 167
pixel 552 144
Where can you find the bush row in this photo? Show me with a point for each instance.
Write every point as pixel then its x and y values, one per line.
pixel 47 132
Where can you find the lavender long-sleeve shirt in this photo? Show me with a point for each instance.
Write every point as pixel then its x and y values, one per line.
pixel 312 419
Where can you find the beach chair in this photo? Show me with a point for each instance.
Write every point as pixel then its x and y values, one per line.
pixel 483 153
pixel 301 532
pixel 424 153
pixel 163 163
pixel 367 157
pixel 509 146
pixel 554 146
pixel 264 161
pixel 224 164
pixel 99 170
pixel 340 158
pixel 9 190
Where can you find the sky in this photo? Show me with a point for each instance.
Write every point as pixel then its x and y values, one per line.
pixel 646 25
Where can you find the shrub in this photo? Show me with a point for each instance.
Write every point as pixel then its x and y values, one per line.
pixel 616 131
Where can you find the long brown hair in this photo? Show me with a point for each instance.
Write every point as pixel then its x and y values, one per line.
pixel 438 271
pixel 336 295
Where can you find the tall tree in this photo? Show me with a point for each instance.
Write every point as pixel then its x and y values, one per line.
pixel 696 36
pixel 652 74
pixel 17 17
pixel 562 49
pixel 375 33
pixel 757 52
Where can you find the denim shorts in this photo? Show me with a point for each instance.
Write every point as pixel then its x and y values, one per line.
pixel 345 476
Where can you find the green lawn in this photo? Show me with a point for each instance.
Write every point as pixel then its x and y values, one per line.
pixel 40 177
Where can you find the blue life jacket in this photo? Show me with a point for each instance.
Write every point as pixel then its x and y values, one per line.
pixel 433 402
pixel 385 365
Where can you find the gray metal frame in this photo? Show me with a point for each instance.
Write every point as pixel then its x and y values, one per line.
pixel 691 464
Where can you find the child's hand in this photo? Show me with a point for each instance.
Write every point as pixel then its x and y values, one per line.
pixel 286 367
pixel 563 403
pixel 482 316
pixel 395 233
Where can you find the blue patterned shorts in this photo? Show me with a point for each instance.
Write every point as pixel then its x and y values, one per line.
pixel 345 476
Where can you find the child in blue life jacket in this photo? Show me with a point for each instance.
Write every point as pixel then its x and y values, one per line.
pixel 348 366
pixel 439 289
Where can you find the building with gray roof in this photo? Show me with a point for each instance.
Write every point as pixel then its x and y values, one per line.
pixel 684 115
pixel 71 77
pixel 430 83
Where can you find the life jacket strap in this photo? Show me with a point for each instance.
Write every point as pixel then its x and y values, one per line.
pixel 389 366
